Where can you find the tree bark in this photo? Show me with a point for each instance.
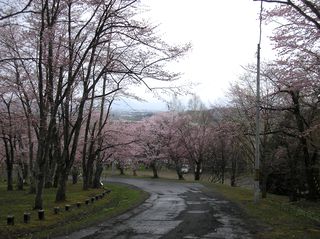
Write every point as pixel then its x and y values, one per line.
pixel 233 171
pixel 85 179
pixel 57 175
pixel 21 174
pixel 9 161
pixel 9 178
pixel 121 170
pixel 263 183
pixel 179 173
pixel 32 187
pixel 97 175
pixel 75 174
pixel 134 171
pixel 50 172
pixel 197 171
pixel 62 186
pixel 154 170
pixel 38 201
pixel 20 180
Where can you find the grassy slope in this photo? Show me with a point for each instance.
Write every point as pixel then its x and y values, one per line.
pixel 280 218
pixel 17 202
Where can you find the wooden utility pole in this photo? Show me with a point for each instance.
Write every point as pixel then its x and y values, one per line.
pixel 257 138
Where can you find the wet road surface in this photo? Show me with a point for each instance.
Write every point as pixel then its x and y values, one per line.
pixel 173 210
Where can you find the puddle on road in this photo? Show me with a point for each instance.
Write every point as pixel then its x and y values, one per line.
pixel 198 211
pixel 193 202
pixel 153 227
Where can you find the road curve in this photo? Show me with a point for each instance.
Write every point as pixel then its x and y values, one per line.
pixel 173 210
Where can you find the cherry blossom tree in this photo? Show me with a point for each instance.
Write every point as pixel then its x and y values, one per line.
pixel 195 132
pixel 151 142
pixel 295 76
pixel 243 101
pixel 68 55
pixel 13 135
pixel 173 147
pixel 299 97
pixel 308 10
pixel 289 106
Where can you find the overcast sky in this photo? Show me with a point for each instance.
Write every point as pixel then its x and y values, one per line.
pixel 224 37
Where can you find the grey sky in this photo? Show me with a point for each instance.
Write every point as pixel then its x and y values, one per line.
pixel 224 36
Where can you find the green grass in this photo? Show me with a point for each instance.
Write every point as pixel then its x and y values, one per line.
pixel 279 217
pixel 16 203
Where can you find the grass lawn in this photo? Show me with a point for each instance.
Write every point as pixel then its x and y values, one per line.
pixel 280 218
pixel 16 203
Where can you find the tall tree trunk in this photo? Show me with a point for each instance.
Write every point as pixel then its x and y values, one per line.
pixel 263 183
pixel 44 142
pixel 293 174
pixel 38 202
pixel 75 174
pixel 134 172
pixel 263 177
pixel 197 171
pixel 233 171
pixel 32 187
pixel 50 172
pixel 85 181
pixel 97 175
pixel 154 169
pixel 87 175
pixel 90 176
pixel 62 186
pixel 222 174
pixel 121 169
pixel 313 194
pixel 179 173
pixel 20 179
pixel 87 170
pixel 223 161
pixel 87 160
pixel 21 174
pixel 57 175
pixel 9 162
pixel 9 178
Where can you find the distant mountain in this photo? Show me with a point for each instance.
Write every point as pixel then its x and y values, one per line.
pixel 152 105
pixel 131 115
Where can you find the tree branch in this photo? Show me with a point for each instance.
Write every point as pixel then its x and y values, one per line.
pixel 17 13
pixel 309 4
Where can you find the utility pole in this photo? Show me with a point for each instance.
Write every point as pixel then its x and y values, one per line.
pixel 257 138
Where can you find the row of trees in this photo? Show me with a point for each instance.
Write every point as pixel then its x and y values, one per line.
pixel 62 65
pixel 289 110
pixel 206 140
pixel 219 142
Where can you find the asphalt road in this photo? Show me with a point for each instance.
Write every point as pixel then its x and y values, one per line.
pixel 173 210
